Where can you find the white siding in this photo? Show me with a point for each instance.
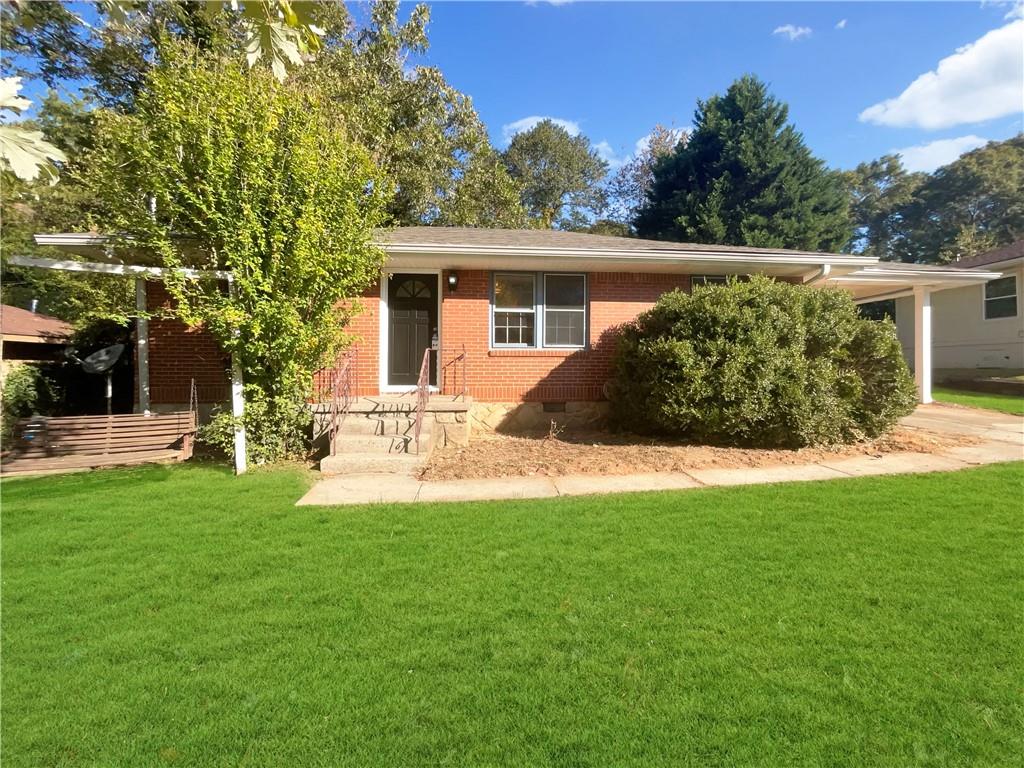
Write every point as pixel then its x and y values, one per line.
pixel 961 336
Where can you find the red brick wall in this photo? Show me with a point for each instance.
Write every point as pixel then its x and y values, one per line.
pixel 177 354
pixel 545 375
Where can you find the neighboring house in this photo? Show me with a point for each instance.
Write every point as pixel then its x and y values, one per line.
pixel 976 326
pixel 29 337
pixel 535 311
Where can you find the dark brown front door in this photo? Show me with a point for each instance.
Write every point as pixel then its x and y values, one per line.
pixel 412 324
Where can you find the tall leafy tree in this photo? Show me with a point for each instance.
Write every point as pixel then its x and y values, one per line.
pixel 881 192
pixel 423 132
pixel 110 54
pixel 745 177
pixel 220 168
pixel 969 206
pixel 560 174
pixel 628 187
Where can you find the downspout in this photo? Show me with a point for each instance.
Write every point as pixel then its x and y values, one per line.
pixel 822 274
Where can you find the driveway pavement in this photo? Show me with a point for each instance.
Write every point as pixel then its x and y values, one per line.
pixel 1000 438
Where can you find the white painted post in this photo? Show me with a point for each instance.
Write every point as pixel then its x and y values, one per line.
pixel 237 403
pixel 923 342
pixel 142 343
pixel 237 411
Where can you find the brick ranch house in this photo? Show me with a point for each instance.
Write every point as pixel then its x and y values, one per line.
pixel 534 311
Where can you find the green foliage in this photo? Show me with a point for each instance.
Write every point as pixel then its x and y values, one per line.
pixel 26 392
pixel 972 205
pixel 30 207
pixel 628 187
pixel 963 209
pixel 760 363
pixel 276 429
pixel 560 175
pixel 880 192
pixel 745 177
pixel 221 168
pixel 421 131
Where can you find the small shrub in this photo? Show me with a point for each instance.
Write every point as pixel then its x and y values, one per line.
pixel 275 430
pixel 26 392
pixel 760 363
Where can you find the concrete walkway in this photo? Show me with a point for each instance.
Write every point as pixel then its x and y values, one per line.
pixel 1000 436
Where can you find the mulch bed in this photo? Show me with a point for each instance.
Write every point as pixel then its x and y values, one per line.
pixel 601 453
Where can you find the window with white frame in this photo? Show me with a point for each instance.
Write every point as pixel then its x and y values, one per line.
pixel 1001 298
pixel 515 311
pixel 556 303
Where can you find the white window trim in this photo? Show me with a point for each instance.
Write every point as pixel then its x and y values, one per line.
pixel 985 300
pixel 533 310
pixel 538 310
pixel 384 335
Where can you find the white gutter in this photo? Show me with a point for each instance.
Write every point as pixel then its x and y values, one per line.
pixel 822 274
pixel 631 255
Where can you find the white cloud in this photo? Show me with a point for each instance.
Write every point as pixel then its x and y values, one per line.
pixel 981 81
pixel 526 123
pixel 1016 11
pixel 935 154
pixel 791 31
pixel 841 24
pixel 607 153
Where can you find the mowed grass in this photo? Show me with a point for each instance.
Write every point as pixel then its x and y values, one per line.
pixel 993 402
pixel 179 616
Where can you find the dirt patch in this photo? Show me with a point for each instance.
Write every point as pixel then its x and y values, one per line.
pixel 495 455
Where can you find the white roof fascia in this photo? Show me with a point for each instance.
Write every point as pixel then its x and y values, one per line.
pixel 114 269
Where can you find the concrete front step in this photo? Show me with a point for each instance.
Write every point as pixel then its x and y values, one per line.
pixel 349 443
pixel 374 424
pixel 406 404
pixel 360 463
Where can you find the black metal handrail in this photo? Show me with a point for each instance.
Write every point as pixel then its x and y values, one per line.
pixel 422 394
pixel 451 373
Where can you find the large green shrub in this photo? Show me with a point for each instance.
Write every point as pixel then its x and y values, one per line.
pixel 760 363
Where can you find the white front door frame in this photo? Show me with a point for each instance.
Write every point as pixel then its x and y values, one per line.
pixel 384 385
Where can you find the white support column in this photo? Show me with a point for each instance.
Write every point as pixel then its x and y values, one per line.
pixel 923 342
pixel 237 412
pixel 237 403
pixel 142 343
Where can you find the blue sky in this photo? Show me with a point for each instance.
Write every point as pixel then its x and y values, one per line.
pixel 617 69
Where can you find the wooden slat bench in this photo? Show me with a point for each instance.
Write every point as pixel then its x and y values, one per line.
pixel 55 444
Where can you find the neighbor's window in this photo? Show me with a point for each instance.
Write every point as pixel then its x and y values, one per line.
pixel 555 302
pixel 1001 298
pixel 514 309
pixel 565 310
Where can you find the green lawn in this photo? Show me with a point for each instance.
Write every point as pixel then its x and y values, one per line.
pixel 179 616
pixel 1004 403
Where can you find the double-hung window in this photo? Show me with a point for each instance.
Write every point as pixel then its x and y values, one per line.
pixel 539 310
pixel 1001 298
pixel 515 310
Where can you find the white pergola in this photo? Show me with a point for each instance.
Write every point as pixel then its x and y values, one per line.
pixel 141 273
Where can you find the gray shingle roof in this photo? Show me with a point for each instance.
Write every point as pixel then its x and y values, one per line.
pixel 1014 250
pixel 549 238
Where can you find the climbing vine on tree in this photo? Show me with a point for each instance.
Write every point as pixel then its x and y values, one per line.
pixel 224 168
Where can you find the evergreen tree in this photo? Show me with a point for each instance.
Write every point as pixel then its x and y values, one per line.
pixel 745 177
